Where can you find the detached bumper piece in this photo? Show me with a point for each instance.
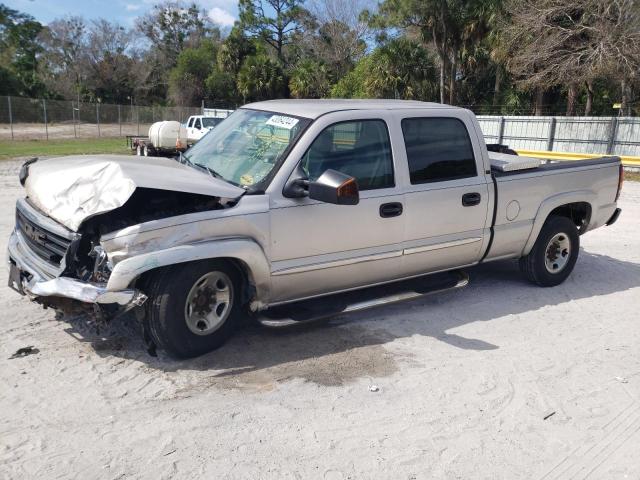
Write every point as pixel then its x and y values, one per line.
pixel 83 292
pixel 27 278
pixel 614 217
pixel 322 308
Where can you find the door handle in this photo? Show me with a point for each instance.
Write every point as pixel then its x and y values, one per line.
pixel 392 209
pixel 471 199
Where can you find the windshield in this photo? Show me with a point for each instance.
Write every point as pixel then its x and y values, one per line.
pixel 211 121
pixel 246 147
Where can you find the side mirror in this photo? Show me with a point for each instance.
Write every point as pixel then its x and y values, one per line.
pixel 335 187
pixel 332 187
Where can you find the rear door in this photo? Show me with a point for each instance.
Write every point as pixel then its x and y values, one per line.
pixel 190 128
pixel 197 129
pixel 447 196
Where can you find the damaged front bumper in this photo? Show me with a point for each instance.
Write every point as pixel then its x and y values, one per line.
pixel 30 276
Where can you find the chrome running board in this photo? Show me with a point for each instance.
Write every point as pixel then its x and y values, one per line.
pixel 308 311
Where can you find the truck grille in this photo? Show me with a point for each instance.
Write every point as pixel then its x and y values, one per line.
pixel 47 245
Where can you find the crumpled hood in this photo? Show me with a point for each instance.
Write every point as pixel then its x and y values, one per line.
pixel 72 189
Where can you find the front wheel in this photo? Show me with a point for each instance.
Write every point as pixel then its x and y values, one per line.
pixel 554 254
pixel 194 308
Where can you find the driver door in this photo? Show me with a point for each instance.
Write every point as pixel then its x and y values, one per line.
pixel 196 133
pixel 318 248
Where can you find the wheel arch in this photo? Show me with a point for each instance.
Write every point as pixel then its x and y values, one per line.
pixel 245 254
pixel 576 205
pixel 578 212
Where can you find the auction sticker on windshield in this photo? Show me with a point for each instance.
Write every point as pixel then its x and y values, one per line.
pixel 282 121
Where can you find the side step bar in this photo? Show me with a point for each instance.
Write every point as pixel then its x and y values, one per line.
pixel 308 311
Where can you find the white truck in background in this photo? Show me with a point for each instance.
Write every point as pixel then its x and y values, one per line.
pixel 199 125
pixel 169 138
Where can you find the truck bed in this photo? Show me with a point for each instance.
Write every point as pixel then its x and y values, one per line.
pixel 523 199
pixel 549 165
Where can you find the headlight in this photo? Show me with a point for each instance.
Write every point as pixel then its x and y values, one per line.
pixel 102 266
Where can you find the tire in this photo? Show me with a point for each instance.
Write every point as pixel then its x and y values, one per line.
pixel 171 298
pixel 554 254
pixel 146 150
pixel 139 151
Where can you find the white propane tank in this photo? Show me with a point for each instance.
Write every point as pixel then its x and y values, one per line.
pixel 166 134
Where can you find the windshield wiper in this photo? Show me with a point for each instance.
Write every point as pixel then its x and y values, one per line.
pixel 184 159
pixel 210 170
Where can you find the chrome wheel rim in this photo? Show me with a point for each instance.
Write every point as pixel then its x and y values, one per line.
pixel 557 253
pixel 208 303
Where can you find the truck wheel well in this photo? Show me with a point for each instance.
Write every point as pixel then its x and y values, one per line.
pixel 579 213
pixel 247 287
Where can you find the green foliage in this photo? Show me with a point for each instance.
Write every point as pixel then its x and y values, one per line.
pixel 171 26
pixel 193 67
pixel 221 85
pixel 495 56
pixel 309 79
pixel 452 27
pixel 235 48
pixel 275 25
pixel 400 68
pixel 261 78
pixel 18 54
pixel 352 85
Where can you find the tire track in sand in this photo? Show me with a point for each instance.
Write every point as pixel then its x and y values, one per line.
pixel 585 459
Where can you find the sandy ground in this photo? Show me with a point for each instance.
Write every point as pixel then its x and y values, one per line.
pixel 499 380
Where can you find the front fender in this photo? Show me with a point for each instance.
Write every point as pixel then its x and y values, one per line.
pixel 243 249
pixel 550 204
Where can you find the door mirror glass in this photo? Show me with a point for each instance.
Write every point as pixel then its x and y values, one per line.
pixel 335 187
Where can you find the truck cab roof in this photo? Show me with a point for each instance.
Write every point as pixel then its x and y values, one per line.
pixel 315 108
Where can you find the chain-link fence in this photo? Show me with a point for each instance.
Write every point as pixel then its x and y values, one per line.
pixel 605 135
pixel 24 119
pixel 30 119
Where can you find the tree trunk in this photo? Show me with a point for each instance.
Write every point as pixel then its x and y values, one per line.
pixel 497 86
pixel 625 98
pixel 279 48
pixel 572 94
pixel 439 47
pixel 452 81
pixel 443 68
pixel 539 101
pixel 589 106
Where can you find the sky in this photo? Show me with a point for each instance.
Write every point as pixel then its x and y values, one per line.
pixel 124 12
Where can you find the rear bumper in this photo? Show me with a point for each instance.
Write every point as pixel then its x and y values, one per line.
pixel 614 217
pixel 29 277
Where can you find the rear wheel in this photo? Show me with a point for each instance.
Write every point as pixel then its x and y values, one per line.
pixel 194 307
pixel 146 150
pixel 554 254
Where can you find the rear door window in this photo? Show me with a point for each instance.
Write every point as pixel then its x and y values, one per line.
pixel 438 149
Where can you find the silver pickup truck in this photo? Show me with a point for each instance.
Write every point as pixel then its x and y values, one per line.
pixel 289 201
